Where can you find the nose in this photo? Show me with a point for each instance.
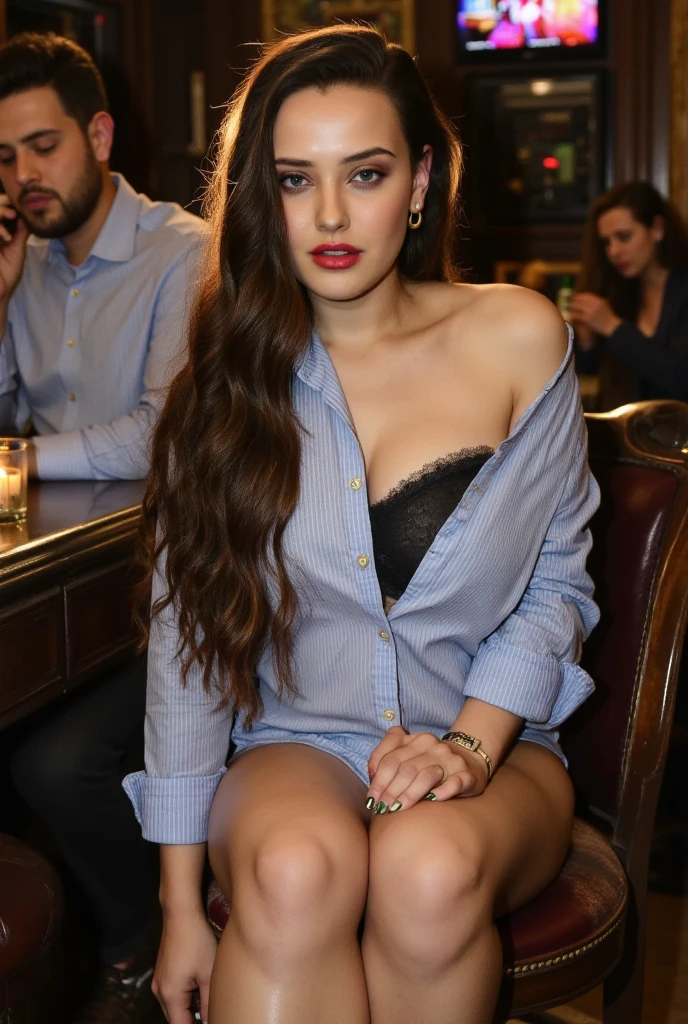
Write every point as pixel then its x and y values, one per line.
pixel 25 168
pixel 331 213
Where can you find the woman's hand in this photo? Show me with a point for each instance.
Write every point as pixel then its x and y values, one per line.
pixel 185 962
pixel 406 767
pixel 594 312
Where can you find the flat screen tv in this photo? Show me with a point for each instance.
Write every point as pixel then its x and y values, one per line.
pixel 516 30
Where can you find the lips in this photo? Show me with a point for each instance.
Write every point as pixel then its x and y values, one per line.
pixel 36 201
pixel 335 255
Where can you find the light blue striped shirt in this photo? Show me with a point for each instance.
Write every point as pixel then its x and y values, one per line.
pixel 88 350
pixel 497 610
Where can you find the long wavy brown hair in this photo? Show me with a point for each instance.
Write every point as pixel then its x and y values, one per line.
pixel 226 452
pixel 645 204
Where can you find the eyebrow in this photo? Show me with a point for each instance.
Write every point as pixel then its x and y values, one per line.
pixel 32 137
pixel 354 158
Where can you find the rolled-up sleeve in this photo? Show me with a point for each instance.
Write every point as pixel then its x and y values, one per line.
pixel 187 741
pixel 528 666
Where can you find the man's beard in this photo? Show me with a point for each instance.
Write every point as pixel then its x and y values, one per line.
pixel 76 208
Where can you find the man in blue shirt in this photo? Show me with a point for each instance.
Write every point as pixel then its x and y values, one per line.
pixel 95 286
pixel 93 304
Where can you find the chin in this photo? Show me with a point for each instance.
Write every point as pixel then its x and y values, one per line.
pixel 341 285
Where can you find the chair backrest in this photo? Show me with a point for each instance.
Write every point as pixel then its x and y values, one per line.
pixel 617 741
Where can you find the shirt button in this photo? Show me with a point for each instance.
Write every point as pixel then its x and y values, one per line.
pixel 363 561
pixel 388 714
pixel 384 635
pixel 70 342
pixel 75 292
pixel 72 397
pixel 355 484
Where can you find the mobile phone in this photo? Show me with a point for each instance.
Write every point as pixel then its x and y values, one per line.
pixel 196 1005
pixel 10 224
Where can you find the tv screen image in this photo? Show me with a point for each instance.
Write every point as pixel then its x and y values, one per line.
pixel 492 25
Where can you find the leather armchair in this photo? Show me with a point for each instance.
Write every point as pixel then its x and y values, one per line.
pixel 588 927
pixel 30 916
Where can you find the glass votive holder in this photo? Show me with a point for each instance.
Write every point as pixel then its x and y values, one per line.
pixel 14 476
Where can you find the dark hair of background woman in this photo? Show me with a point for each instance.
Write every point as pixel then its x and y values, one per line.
pixel 598 275
pixel 226 452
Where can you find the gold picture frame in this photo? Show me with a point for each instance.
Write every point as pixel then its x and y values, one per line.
pixel 394 18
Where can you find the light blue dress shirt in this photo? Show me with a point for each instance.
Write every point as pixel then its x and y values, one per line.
pixel 497 610
pixel 89 350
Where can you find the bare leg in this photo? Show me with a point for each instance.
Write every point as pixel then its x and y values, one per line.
pixel 439 875
pixel 289 847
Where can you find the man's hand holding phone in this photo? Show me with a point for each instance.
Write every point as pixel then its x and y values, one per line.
pixel 13 238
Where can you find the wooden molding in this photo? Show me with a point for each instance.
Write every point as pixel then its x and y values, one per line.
pixel 679 104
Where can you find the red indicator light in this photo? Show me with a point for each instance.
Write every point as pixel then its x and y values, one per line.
pixel 551 163
pixel 100 19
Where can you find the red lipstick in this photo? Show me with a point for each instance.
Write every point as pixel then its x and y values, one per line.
pixel 336 255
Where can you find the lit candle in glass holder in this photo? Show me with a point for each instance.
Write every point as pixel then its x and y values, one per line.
pixel 13 480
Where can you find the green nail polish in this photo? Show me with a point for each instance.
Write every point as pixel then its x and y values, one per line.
pixel 370 803
pixel 431 796
pixel 396 806
pixel 381 807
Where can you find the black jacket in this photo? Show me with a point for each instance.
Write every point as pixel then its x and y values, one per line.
pixel 659 365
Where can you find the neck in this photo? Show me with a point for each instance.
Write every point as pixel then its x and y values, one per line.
pixel 78 245
pixel 654 277
pixel 358 323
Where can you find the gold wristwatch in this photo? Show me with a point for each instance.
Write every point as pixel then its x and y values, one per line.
pixel 462 739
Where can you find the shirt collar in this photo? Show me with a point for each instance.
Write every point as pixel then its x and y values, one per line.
pixel 118 234
pixel 315 368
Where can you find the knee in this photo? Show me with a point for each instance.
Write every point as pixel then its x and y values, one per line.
pixel 297 876
pixel 429 896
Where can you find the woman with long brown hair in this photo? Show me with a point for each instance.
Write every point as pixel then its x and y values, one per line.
pixel 366 535
pixel 633 294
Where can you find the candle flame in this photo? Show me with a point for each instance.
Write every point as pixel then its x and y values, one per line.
pixel 2 472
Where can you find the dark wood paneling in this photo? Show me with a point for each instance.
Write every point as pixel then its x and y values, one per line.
pixel 99 621
pixel 642 73
pixel 32 654
pixel 66 591
pixel 231 33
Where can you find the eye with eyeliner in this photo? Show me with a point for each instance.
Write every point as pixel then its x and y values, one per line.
pixel 303 181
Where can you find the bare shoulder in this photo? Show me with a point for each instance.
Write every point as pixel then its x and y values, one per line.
pixel 522 322
pixel 519 331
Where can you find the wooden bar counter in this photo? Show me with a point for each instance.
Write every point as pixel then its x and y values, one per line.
pixel 65 590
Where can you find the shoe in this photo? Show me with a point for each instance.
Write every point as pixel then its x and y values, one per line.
pixel 122 996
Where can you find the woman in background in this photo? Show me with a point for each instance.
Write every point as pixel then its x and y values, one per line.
pixel 634 294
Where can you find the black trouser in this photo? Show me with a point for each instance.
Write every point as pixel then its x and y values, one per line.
pixel 69 766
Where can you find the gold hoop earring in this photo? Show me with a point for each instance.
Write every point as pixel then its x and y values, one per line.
pixel 415 224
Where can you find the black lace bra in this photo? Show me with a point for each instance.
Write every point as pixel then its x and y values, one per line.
pixel 406 521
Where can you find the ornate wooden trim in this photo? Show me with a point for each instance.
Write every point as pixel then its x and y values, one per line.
pixel 679 104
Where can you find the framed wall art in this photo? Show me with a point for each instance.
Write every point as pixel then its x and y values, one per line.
pixel 394 18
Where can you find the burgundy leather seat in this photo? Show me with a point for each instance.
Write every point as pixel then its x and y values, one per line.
pixel 576 934
pixel 30 916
